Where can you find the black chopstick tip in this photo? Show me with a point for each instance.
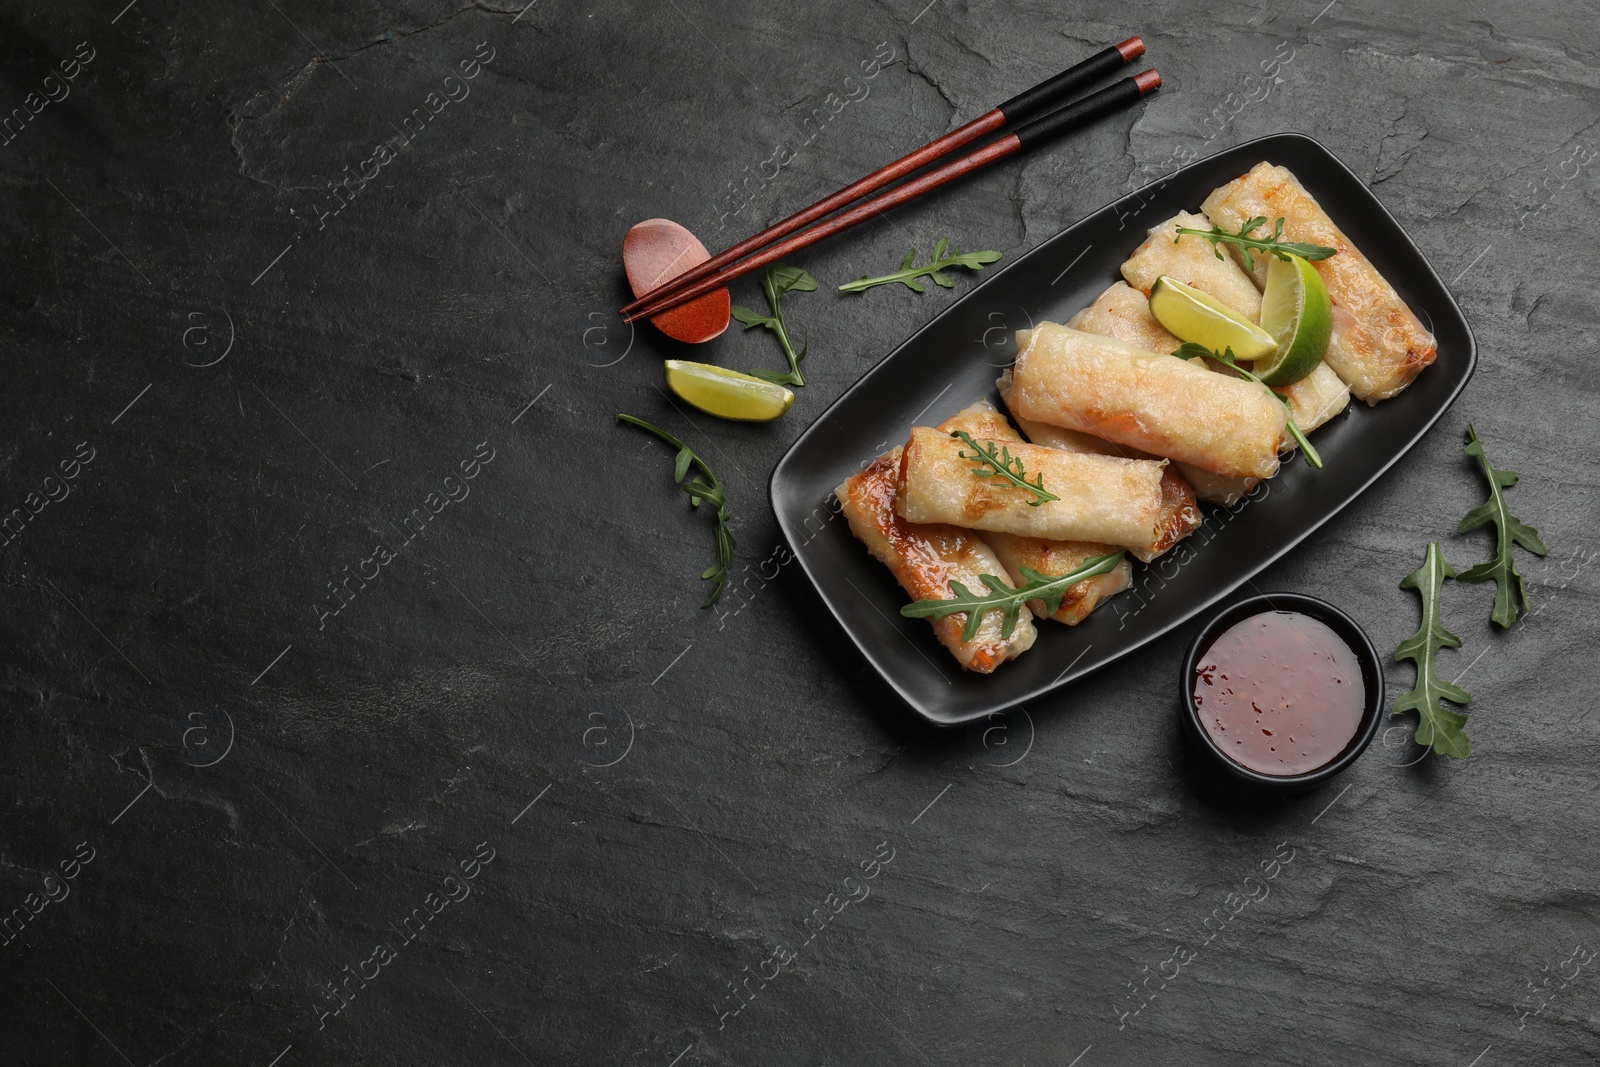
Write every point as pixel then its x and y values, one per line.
pixel 1148 81
pixel 1131 49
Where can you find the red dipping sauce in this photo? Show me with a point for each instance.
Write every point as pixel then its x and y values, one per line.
pixel 1280 693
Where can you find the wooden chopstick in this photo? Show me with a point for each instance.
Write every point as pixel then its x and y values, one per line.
pixel 1026 105
pixel 1112 98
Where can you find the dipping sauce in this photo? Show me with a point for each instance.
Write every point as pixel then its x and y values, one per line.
pixel 1280 693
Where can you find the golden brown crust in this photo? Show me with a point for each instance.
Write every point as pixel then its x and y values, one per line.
pixel 1099 498
pixel 984 422
pixel 1060 557
pixel 1149 401
pixel 1378 345
pixel 1124 313
pixel 924 559
pixel 1191 260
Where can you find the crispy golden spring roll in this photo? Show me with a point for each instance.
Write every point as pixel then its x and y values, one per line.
pixel 1120 312
pixel 1216 488
pixel 1124 313
pixel 1378 345
pixel 1061 557
pixel 1165 406
pixel 1191 260
pixel 1314 399
pixel 1099 498
pixel 1207 485
pixel 925 558
pixel 983 422
pixel 1180 516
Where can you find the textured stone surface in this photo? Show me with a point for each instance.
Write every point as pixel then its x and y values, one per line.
pixel 269 389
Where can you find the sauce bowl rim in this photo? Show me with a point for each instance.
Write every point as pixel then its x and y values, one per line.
pixel 1337 620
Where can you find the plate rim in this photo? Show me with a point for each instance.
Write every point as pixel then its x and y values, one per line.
pixel 1069 676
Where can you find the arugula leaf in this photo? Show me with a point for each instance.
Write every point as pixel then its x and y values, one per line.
pixel 1510 592
pixel 1189 350
pixel 775 281
pixel 1008 600
pixel 937 264
pixel 1439 728
pixel 1274 244
pixel 996 461
pixel 702 488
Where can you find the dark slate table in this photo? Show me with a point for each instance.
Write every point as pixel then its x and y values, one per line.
pixel 358 704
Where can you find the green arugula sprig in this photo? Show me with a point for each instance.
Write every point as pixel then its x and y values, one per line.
pixel 1273 245
pixel 703 487
pixel 996 461
pixel 1511 592
pixel 775 281
pixel 1188 350
pixel 1006 599
pixel 1438 727
pixel 907 275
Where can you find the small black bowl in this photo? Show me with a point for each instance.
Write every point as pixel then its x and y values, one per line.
pixel 1335 620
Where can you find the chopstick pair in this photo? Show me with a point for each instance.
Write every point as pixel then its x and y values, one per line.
pixel 1032 104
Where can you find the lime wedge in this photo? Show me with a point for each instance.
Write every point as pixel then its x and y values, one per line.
pixel 1191 315
pixel 1296 310
pixel 727 394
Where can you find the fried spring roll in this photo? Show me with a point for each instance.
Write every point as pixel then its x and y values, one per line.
pixel 924 559
pixel 1120 312
pixel 1224 489
pixel 1099 498
pixel 1164 406
pixel 983 422
pixel 1192 260
pixel 1060 557
pixel 1378 345
pixel 1314 399
pixel 1124 313
pixel 1180 516
pixel 1204 484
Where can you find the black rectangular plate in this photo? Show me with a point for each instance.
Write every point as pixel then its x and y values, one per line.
pixel 954 360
